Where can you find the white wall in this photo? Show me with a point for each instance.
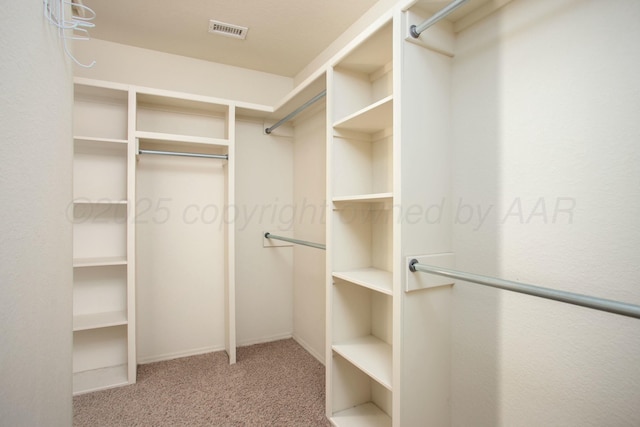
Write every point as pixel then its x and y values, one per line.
pixel 35 248
pixel 309 195
pixel 546 190
pixel 132 65
pixel 180 257
pixel 264 202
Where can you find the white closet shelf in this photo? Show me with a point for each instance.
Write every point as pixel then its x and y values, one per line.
pixel 100 261
pixel 83 322
pixel 94 88
pixel 159 98
pixel 369 354
pixel 168 137
pixel 99 379
pixel 100 140
pixel 372 278
pixel 100 146
pixel 103 201
pixel 373 118
pixel 364 198
pixel 366 414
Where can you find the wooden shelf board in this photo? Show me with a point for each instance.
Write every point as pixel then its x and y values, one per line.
pixel 373 118
pixel 93 87
pixel 105 201
pixel 372 278
pixel 365 415
pixel 182 101
pixel 99 320
pixel 100 140
pixel 97 146
pixel 99 379
pixel 100 261
pixel 364 198
pixel 168 137
pixel 371 355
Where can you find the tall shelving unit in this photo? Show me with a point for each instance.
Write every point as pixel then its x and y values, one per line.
pixel 103 238
pixel 111 123
pixel 360 234
pixel 388 345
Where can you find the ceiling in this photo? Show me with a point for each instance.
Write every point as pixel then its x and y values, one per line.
pixel 283 35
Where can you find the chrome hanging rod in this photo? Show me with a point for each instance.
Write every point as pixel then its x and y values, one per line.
pixel 176 153
pixel 296 111
pixel 601 304
pixel 296 241
pixel 417 30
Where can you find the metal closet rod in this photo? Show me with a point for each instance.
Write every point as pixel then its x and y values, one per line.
pixel 417 30
pixel 181 154
pixel 296 241
pixel 601 304
pixel 296 111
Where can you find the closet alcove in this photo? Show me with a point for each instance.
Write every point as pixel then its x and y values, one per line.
pixel 170 189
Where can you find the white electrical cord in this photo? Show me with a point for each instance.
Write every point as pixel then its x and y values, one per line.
pixel 55 13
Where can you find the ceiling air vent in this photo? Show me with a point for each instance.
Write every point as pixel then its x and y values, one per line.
pixel 229 30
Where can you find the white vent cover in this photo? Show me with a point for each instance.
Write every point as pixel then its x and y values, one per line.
pixel 229 30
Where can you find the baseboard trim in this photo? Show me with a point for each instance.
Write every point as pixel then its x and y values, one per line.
pixel 262 340
pixel 179 354
pixel 308 348
pixel 243 343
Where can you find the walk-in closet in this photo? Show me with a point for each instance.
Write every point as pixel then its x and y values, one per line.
pixel 370 213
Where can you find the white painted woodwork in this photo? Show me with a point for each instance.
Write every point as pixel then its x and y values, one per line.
pixel 110 121
pixel 99 261
pixel 101 378
pixel 359 318
pixel 370 119
pixel 364 198
pixel 97 349
pixel 83 322
pixel 185 235
pixel 370 354
pixel 373 278
pixel 388 160
pixel 230 336
pixel 420 280
pixel 365 415
pixel 103 239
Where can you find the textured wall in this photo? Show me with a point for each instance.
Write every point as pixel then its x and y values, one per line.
pixel 35 235
pixel 546 190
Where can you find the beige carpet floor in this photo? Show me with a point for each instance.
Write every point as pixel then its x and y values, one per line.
pixel 272 384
